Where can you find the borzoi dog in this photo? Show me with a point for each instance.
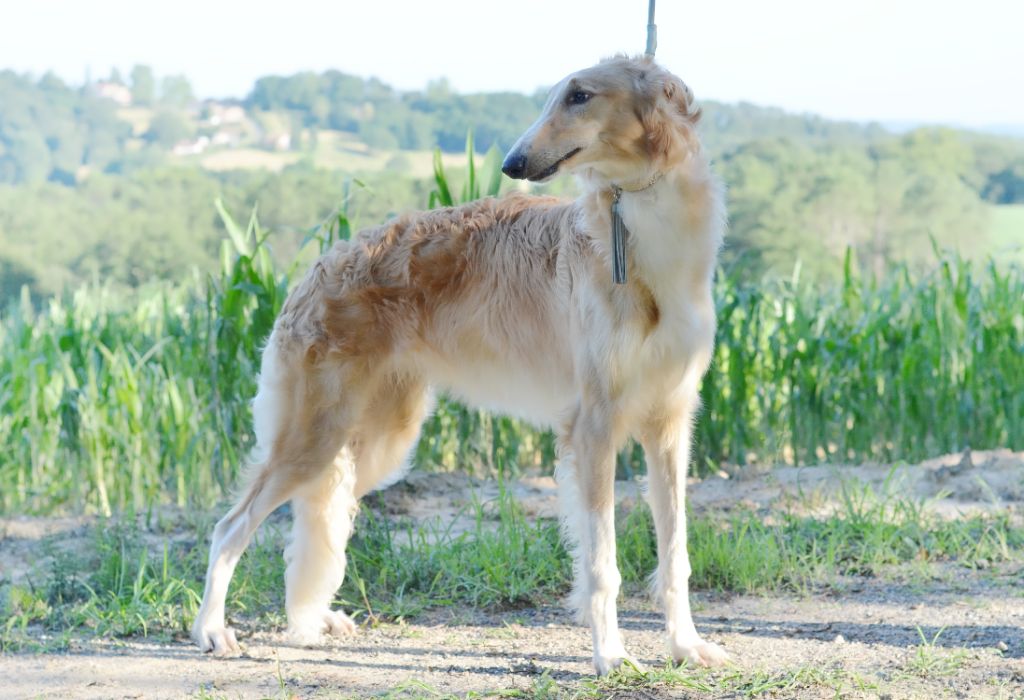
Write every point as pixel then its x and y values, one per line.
pixel 510 304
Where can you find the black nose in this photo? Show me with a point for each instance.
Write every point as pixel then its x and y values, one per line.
pixel 514 166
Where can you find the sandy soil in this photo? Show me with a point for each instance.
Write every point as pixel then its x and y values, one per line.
pixel 872 633
pixel 865 639
pixel 959 484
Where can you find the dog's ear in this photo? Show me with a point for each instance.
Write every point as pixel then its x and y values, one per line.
pixel 679 94
pixel 667 113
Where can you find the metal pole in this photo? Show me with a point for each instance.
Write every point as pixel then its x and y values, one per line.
pixel 652 30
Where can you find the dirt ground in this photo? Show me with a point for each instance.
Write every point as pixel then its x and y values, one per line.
pixel 864 641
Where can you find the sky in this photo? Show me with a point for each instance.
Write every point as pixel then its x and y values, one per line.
pixel 894 61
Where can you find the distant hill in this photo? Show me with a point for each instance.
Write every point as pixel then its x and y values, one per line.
pixel 1011 130
pixel 1015 130
pixel 116 180
pixel 53 131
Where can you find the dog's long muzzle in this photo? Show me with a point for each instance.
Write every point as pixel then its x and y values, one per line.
pixel 519 166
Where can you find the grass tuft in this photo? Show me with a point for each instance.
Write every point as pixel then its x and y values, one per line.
pixel 930 660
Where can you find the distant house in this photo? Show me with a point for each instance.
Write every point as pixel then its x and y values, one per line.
pixel 278 141
pixel 191 147
pixel 114 91
pixel 223 113
pixel 225 137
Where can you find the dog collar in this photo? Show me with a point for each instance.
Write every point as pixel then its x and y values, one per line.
pixel 619 230
pixel 617 190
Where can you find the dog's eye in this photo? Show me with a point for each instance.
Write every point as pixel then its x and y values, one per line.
pixel 579 97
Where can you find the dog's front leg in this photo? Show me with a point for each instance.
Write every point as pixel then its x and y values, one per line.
pixel 586 475
pixel 666 441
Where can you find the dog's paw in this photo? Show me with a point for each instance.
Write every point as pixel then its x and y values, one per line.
pixel 338 623
pixel 605 664
pixel 216 639
pixel 700 653
pixel 308 629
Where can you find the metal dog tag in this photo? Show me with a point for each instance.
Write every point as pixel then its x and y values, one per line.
pixel 619 233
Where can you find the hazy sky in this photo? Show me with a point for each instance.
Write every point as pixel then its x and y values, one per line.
pixel 891 60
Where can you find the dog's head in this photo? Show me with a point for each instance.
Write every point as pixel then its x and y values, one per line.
pixel 621 119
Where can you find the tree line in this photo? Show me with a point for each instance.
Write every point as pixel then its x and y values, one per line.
pixel 800 187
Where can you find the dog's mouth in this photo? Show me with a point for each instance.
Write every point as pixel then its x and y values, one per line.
pixel 553 168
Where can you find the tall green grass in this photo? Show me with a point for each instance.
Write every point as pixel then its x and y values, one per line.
pixel 110 402
pixel 903 367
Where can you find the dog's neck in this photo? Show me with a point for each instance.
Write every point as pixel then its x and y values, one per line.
pixel 638 186
pixel 676 224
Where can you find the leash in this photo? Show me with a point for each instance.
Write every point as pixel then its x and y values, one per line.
pixel 619 230
pixel 652 30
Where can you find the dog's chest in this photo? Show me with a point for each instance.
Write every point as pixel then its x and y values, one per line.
pixel 652 361
pixel 674 268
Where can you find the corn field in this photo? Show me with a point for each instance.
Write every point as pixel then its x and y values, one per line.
pixel 111 403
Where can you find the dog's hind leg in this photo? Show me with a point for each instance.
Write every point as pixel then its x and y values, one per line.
pixel 322 512
pixel 586 485
pixel 385 431
pixel 298 433
pixel 666 442
pixel 388 430
pixel 230 538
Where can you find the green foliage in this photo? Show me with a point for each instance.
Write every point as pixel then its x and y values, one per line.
pixel 502 561
pixel 100 398
pixel 112 585
pixel 129 592
pixel 1007 233
pixel 930 660
pixel 129 579
pixel 1007 185
pixel 866 533
pixel 160 224
pixel 117 402
pixel 143 85
pixel 888 202
pixel 387 119
pixel 167 128
pixel 728 126
pixel 802 188
pixel 176 92
pixel 441 195
pixel 49 131
pixel 901 367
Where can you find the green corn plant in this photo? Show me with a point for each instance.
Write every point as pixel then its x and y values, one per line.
pixel 122 401
pixel 441 195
